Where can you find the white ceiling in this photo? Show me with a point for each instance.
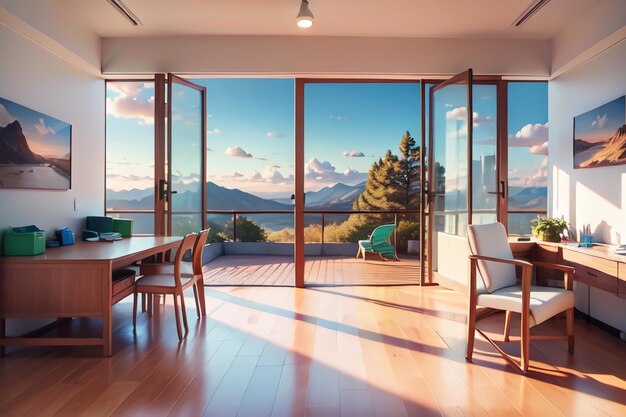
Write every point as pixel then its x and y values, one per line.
pixel 380 18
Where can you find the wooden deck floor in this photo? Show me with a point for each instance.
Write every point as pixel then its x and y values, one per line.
pixel 278 270
pixel 340 351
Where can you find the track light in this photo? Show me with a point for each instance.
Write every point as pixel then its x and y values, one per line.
pixel 305 17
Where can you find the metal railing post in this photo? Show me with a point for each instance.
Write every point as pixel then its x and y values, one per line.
pixel 395 233
pixel 234 226
pixel 323 224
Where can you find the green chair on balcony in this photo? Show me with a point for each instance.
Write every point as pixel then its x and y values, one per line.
pixel 379 243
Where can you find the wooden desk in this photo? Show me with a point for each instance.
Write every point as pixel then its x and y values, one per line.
pixel 597 266
pixel 71 281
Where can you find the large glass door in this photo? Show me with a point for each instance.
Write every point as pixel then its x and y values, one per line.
pixel 184 190
pixel 450 166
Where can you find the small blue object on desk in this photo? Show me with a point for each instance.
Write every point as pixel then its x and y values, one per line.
pixel 586 241
pixel 65 236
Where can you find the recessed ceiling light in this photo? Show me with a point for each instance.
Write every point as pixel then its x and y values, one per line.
pixel 305 17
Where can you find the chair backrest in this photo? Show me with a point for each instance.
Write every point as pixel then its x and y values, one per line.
pixel 197 251
pixel 381 234
pixel 491 240
pixel 186 244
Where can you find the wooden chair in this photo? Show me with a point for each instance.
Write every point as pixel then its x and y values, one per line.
pixel 378 243
pixel 188 269
pixel 497 289
pixel 175 284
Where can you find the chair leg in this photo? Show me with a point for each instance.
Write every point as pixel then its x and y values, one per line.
pixel 195 297
pixel 471 330
pixel 570 330
pixel 163 299
pixel 2 334
pixel 507 325
pixel 180 332
pixel 144 301
pixel 143 297
pixel 184 311
pixel 150 303
pixel 524 341
pixel 358 252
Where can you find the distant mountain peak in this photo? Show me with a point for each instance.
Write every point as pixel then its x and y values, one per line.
pixel 14 147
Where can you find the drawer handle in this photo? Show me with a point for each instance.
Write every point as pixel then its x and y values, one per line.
pixel 592 274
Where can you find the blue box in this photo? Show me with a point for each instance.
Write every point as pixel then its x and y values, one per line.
pixel 65 236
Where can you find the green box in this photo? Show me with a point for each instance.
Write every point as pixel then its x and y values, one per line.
pixel 123 227
pixel 24 241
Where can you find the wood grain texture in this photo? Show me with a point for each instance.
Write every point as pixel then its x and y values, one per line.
pixel 329 351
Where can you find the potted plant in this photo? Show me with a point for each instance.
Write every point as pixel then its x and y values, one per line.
pixel 549 230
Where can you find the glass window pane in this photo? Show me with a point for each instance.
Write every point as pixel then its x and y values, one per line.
pixel 528 150
pixel 130 145
pixel 143 223
pixel 485 130
pixel 186 223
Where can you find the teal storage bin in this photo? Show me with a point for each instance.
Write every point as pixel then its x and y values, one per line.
pixel 24 241
pixel 123 227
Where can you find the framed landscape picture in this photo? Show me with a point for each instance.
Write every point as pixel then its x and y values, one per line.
pixel 600 136
pixel 35 149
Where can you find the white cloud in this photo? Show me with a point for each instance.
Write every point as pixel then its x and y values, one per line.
pixel 275 135
pixel 539 149
pixel 237 152
pixel 5 117
pixel 214 131
pixel 127 104
pixel 338 118
pixel 600 121
pixel 323 173
pixel 353 154
pixel 530 135
pixel 460 113
pixel 42 129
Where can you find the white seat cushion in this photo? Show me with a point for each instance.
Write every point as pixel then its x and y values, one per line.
pixel 161 281
pixel 545 302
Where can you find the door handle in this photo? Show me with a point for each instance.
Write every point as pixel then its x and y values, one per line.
pixel 164 193
pixel 500 191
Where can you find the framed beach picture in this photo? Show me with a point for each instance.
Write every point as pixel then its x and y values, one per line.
pixel 600 136
pixel 35 149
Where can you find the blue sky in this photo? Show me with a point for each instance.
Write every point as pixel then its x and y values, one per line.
pixel 600 124
pixel 45 135
pixel 250 128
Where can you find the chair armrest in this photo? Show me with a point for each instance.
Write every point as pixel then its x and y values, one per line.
pixel 558 267
pixel 568 270
pixel 516 262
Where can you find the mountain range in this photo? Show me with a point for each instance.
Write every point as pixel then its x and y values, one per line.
pixel 613 152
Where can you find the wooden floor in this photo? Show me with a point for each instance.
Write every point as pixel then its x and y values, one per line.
pixel 327 270
pixel 341 351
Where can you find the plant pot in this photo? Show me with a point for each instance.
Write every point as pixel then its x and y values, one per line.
pixel 413 246
pixel 550 237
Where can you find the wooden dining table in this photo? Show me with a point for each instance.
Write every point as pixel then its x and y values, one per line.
pixel 71 281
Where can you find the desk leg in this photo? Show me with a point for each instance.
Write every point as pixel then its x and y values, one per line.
pixel 107 333
pixel 200 287
pixel 2 335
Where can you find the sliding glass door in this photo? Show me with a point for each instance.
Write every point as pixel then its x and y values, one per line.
pixel 186 156
pixel 450 168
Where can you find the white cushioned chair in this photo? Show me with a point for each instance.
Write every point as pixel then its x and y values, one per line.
pixel 497 288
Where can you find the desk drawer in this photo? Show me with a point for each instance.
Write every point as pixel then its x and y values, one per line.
pixel 597 279
pixel 122 284
pixel 574 259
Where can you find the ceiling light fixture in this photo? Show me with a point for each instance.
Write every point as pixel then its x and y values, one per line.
pixel 530 10
pixel 126 12
pixel 305 17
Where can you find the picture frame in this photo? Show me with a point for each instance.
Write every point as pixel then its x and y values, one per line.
pixel 600 136
pixel 35 149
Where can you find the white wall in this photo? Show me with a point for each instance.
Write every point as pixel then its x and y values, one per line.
pixel 594 196
pixel 324 55
pixel 44 82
